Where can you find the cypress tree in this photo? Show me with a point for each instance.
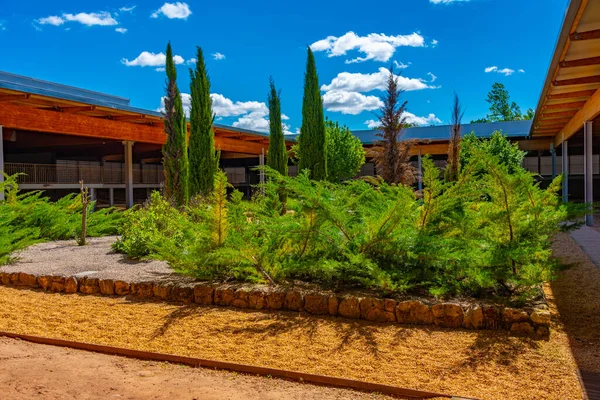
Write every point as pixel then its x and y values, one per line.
pixel 277 157
pixel 175 156
pixel 312 144
pixel 204 160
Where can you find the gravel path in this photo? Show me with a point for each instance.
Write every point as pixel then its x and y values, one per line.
pixel 96 260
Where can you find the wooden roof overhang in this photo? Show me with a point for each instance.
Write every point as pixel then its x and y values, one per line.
pixel 571 92
pixel 21 110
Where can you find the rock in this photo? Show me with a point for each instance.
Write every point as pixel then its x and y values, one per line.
pixel 294 301
pixel 316 304
pixel 5 277
pixel 349 307
pixel 14 278
pixel 204 294
pixel 224 296
pixel 447 315
pixel 513 315
pixel 240 298
pixel 141 289
pixel 44 281
pixel 491 317
pixel 89 286
pixel 107 287
pixel 182 293
pixel 333 304
pixel 473 317
pixel 274 299
pixel 414 312
pixel 121 288
pixel 257 300
pixel 377 309
pixel 521 327
pixel 542 331
pixel 541 317
pixel 27 280
pixel 71 285
pixel 58 284
pixel 162 290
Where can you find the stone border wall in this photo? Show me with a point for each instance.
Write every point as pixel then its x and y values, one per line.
pixel 532 321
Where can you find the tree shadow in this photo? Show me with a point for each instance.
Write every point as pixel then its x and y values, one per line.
pixel 176 315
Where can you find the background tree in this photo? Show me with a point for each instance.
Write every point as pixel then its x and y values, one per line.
pixel 501 108
pixel 507 153
pixel 175 154
pixel 311 141
pixel 345 152
pixel 277 156
pixel 204 159
pixel 391 155
pixel 453 166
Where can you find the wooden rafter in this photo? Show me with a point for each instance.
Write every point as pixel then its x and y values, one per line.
pixel 69 109
pixel 554 121
pixel 14 97
pixel 595 34
pixel 564 106
pixel 558 114
pixel 577 81
pixel 581 62
pixel 550 127
pixel 572 95
pixel 134 117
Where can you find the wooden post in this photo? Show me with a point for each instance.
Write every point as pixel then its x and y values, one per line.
pixel 420 169
pixel 111 197
pixel 588 170
pixel 553 154
pixel 565 163
pixel 1 162
pixel 128 147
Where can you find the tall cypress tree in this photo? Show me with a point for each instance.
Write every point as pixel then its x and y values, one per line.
pixel 175 155
pixel 277 157
pixel 204 160
pixel 312 143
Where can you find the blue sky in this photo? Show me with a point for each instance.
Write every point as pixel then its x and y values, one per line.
pixel 439 46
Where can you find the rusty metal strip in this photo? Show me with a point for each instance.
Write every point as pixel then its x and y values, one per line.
pixel 249 369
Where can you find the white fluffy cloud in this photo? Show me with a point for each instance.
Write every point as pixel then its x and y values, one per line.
pixel 411 119
pixel 374 46
pixel 225 107
pixel 401 65
pixel 121 30
pixel 358 82
pixel 350 102
pixel 89 19
pixel 445 1
pixel 218 56
pixel 127 9
pixel 504 71
pixel 147 59
pixel 173 11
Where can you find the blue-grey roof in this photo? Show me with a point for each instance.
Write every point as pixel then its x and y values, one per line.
pixel 511 129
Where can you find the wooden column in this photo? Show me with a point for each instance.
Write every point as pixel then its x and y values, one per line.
pixel 588 170
pixel 420 169
pixel 1 162
pixel 128 148
pixel 565 165
pixel 111 197
pixel 553 154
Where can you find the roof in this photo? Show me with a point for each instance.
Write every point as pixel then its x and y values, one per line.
pixel 513 129
pixel 571 92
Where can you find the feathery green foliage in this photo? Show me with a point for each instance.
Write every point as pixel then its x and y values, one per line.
pixel 175 153
pixel 497 145
pixel 277 156
pixel 312 145
pixel 29 218
pixel 345 152
pixel 487 233
pixel 204 160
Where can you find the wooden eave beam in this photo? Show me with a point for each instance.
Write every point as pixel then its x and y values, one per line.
pixel 588 112
pixel 559 114
pixel 134 117
pixel 550 127
pixel 580 63
pixel 564 106
pixel 562 120
pixel 595 34
pixel 577 81
pixel 14 97
pixel 571 95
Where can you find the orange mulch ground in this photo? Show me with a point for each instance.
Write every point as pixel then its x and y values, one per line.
pixel 483 364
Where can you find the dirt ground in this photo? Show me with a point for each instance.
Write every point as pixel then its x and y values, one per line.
pixel 29 370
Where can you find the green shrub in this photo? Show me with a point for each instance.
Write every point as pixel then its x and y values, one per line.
pixel 29 218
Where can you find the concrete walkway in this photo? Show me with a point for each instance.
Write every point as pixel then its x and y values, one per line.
pixel 588 239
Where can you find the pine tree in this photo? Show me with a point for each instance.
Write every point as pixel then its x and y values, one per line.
pixel 175 157
pixel 392 155
pixel 453 166
pixel 277 157
pixel 204 160
pixel 312 142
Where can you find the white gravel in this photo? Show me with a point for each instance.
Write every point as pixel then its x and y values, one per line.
pixel 96 260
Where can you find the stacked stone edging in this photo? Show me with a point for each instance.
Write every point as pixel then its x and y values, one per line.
pixel 533 321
